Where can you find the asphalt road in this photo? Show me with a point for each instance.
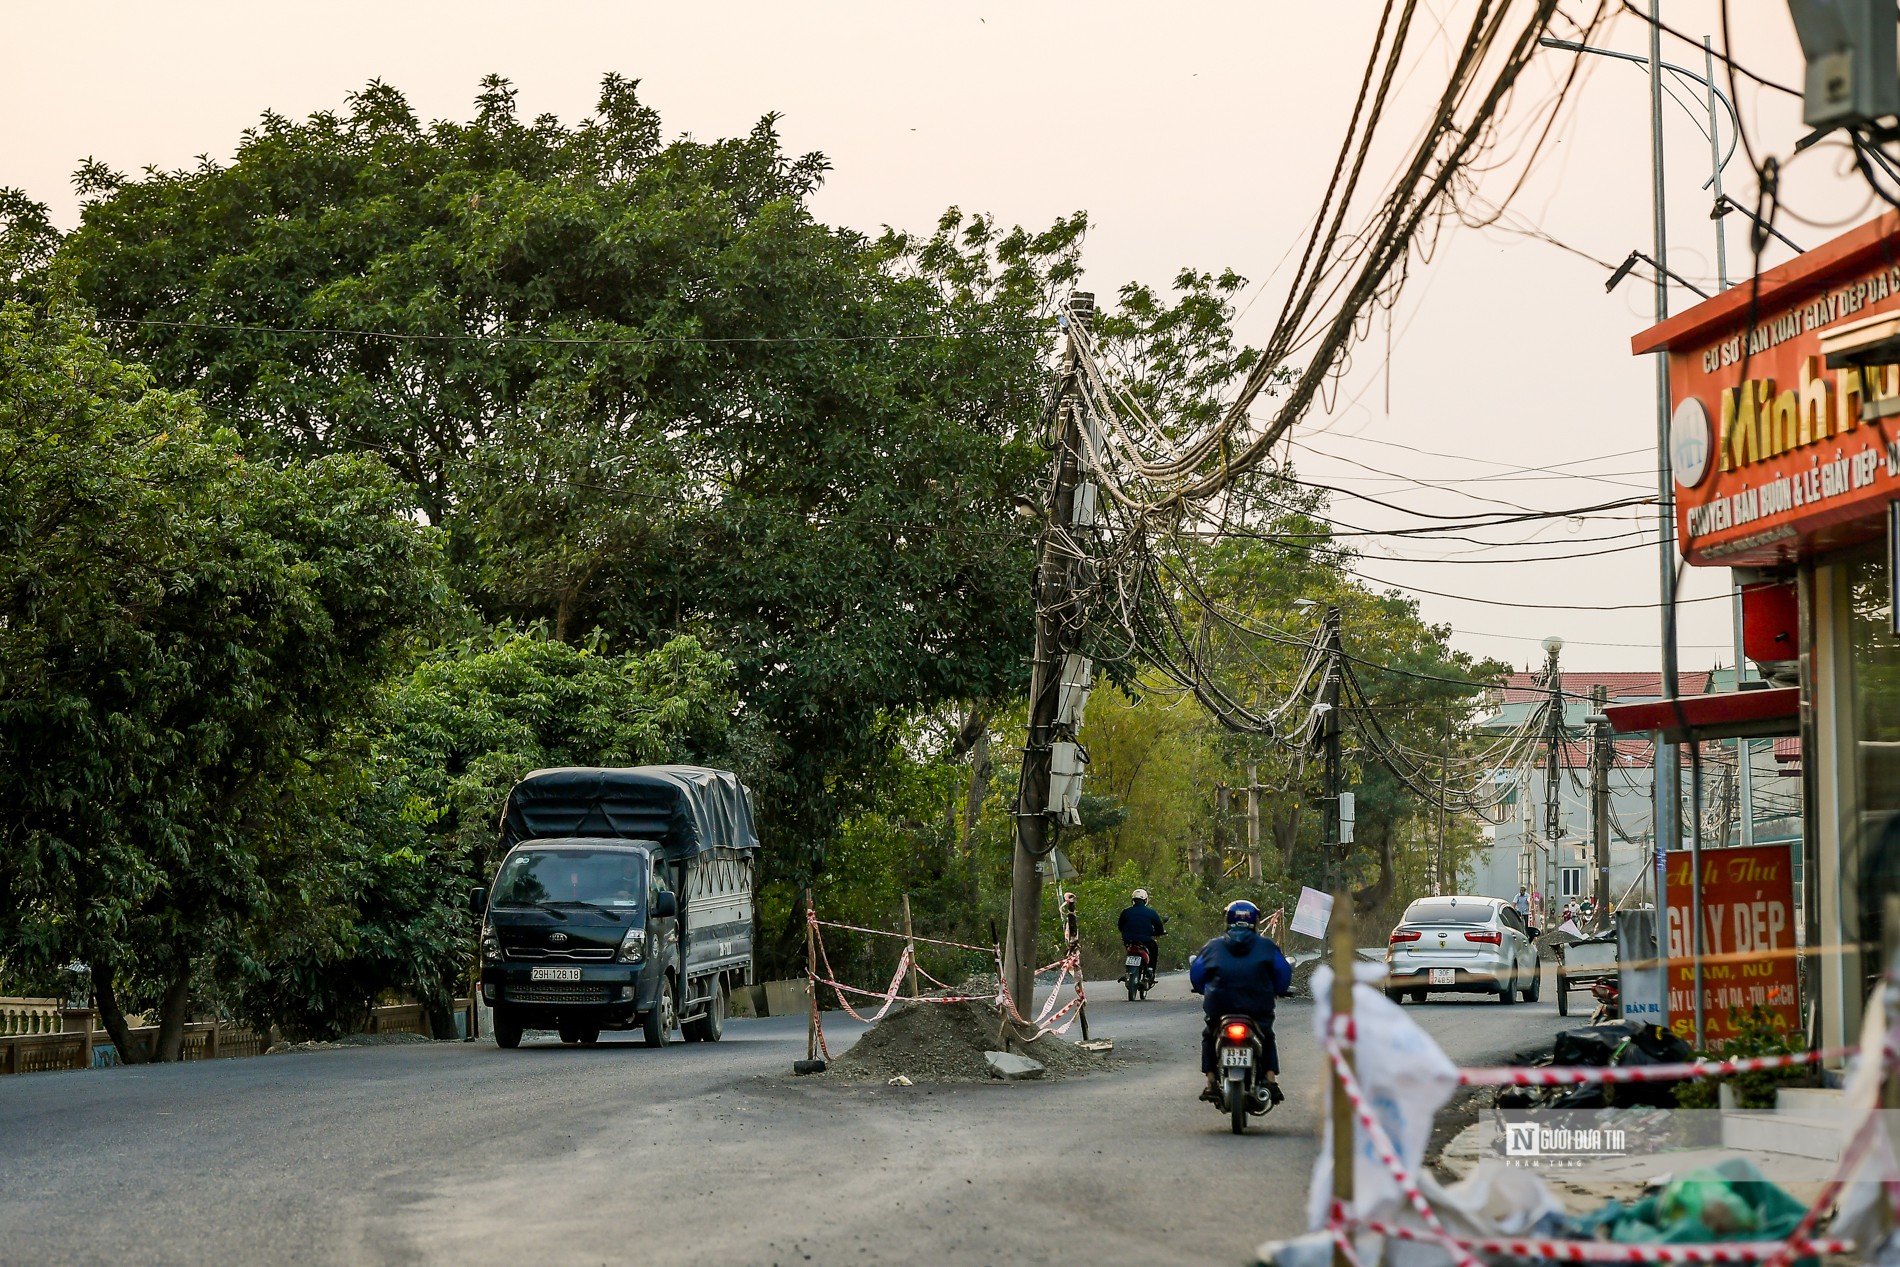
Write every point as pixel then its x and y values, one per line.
pixel 463 1153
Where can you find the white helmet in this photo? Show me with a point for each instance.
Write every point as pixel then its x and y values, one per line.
pixel 1140 895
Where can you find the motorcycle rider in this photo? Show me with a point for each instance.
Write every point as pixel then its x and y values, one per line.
pixel 1140 924
pixel 1240 974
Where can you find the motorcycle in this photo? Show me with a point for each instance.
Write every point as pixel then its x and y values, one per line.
pixel 1239 1080
pixel 1139 971
pixel 1609 1002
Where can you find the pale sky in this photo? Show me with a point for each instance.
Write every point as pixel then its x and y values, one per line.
pixel 1197 136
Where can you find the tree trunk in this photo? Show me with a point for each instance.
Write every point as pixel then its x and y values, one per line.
pixel 171 1014
pixel 1286 832
pixel 1370 900
pixel 563 615
pixel 439 1010
pixel 113 1016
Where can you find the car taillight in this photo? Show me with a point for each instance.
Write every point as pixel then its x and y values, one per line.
pixel 1398 937
pixel 1238 1032
pixel 1493 938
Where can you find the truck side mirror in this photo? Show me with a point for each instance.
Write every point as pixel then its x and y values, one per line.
pixel 477 901
pixel 665 905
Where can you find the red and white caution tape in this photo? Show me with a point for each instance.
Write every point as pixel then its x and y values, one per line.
pixel 1577 1251
pixel 1382 1145
pixel 1579 1075
pixel 907 937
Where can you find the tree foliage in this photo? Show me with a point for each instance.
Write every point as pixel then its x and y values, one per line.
pixel 641 386
pixel 186 635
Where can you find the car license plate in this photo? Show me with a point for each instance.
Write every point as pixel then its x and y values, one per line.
pixel 554 974
pixel 1440 976
pixel 1240 1056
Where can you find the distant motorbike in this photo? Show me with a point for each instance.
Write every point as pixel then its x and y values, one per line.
pixel 1139 971
pixel 1239 1080
pixel 1609 1002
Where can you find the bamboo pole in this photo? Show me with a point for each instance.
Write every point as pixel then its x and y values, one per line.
pixel 1344 1133
pixel 910 943
pixel 811 983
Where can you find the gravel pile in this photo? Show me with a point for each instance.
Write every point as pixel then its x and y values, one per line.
pixel 1303 974
pixel 348 1040
pixel 945 1042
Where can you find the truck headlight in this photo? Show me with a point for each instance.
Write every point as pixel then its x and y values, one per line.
pixel 491 945
pixel 633 947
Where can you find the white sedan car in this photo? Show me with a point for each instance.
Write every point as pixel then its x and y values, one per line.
pixel 1461 945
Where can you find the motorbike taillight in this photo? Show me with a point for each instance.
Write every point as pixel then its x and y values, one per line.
pixel 1238 1032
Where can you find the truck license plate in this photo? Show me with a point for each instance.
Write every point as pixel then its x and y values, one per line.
pixel 1241 1056
pixel 554 974
pixel 1440 976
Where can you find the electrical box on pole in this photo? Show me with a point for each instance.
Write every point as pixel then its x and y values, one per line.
pixel 1348 809
pixel 1852 77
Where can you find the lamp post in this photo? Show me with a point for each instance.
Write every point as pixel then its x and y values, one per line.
pixel 1668 784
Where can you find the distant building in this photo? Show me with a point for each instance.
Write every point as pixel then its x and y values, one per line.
pixel 1519 849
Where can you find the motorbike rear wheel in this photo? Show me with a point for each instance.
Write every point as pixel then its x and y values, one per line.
pixel 1237 1105
pixel 1133 990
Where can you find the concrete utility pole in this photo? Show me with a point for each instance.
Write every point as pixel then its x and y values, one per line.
pixel 1553 758
pixel 1035 837
pixel 1440 884
pixel 1253 821
pixel 1600 752
pixel 1335 852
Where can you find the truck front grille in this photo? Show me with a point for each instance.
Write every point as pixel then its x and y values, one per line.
pixel 545 992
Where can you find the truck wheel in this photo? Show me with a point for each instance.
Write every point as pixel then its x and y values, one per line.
pixel 709 1027
pixel 713 1026
pixel 657 1025
pixel 588 1035
pixel 507 1029
pixel 1563 995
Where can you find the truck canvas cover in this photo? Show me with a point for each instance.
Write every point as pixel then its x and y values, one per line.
pixel 690 810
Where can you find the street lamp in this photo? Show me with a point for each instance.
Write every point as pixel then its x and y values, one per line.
pixel 1668 783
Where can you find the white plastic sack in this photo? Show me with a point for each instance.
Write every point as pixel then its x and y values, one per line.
pixel 1406 1080
pixel 1860 1215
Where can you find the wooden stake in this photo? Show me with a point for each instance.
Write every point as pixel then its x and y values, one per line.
pixel 910 942
pixel 811 984
pixel 1344 1133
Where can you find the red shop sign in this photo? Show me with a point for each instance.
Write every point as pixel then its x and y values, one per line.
pixel 1748 916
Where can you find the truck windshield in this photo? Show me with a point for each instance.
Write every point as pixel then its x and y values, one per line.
pixel 568 877
pixel 1442 912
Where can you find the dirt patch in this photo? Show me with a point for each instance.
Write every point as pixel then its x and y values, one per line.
pixel 348 1040
pixel 945 1042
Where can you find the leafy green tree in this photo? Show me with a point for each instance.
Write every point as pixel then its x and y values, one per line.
pixel 449 739
pixel 643 388
pixel 186 637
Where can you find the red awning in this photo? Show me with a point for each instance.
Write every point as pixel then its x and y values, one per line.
pixel 1729 715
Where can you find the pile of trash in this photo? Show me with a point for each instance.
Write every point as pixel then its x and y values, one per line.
pixel 950 1042
pixel 1617 1044
pixel 1404 1079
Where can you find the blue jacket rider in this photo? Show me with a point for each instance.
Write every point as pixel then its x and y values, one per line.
pixel 1139 925
pixel 1240 974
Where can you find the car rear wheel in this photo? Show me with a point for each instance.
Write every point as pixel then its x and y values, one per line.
pixel 1536 989
pixel 1507 991
pixel 1418 996
pixel 1397 996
